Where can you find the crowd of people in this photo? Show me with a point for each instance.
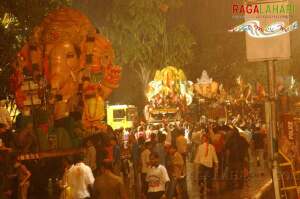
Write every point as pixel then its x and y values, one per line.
pixel 220 154
pixel 148 162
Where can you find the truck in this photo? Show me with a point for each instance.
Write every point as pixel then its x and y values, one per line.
pixel 121 116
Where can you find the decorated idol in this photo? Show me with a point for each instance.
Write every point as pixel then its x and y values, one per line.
pixel 66 66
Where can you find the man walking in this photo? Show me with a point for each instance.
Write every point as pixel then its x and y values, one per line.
pixel 108 185
pixel 80 179
pixel 157 178
pixel 207 158
pixel 177 174
pixel 236 152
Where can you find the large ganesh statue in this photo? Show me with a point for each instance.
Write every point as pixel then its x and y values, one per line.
pixel 169 89
pixel 66 67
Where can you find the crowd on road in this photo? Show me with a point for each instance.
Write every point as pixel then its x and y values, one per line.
pixel 148 162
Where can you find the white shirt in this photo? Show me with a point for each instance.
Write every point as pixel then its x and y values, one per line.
pixel 157 178
pixel 145 158
pixel 79 177
pixel 206 155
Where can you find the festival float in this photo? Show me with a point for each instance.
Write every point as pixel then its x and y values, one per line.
pixel 211 97
pixel 61 78
pixel 240 103
pixel 168 95
pixel 247 102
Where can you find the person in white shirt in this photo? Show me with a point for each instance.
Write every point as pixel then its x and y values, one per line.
pixel 65 188
pixel 145 164
pixel 157 178
pixel 80 179
pixel 196 141
pixel 207 158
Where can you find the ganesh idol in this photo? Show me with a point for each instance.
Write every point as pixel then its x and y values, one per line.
pixel 75 64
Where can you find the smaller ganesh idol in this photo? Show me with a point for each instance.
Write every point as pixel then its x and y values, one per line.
pixel 206 87
pixel 170 82
pixel 171 92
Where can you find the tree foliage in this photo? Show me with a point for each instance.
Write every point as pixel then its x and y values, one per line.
pixel 142 39
pixel 17 19
pixel 224 57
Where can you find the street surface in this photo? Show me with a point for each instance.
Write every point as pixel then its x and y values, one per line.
pixel 251 187
pixel 255 182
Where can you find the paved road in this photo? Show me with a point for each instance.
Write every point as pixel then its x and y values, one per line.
pixel 255 182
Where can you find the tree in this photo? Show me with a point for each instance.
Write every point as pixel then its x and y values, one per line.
pixel 17 20
pixel 142 40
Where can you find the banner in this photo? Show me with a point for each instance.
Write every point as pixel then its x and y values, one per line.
pixel 269 19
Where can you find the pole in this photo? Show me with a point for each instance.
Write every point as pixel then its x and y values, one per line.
pixel 273 126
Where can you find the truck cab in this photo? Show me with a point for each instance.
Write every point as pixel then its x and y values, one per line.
pixel 121 116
